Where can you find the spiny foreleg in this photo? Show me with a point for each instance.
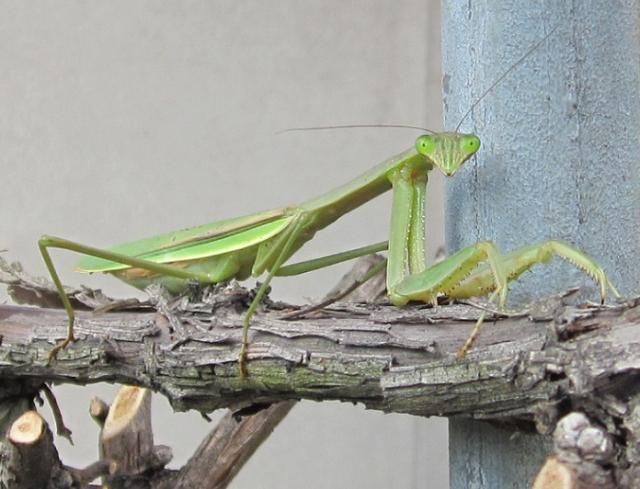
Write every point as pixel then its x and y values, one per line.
pixel 481 282
pixel 446 276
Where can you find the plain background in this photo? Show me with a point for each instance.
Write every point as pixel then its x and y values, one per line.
pixel 123 119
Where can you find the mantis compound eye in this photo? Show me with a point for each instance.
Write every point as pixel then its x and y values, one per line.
pixel 471 143
pixel 425 144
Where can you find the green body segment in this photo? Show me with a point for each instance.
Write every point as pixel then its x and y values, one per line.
pixel 224 257
pixel 190 243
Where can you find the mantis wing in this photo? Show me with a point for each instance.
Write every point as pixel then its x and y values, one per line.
pixel 202 241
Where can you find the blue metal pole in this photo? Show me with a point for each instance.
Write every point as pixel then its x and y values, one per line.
pixel 559 159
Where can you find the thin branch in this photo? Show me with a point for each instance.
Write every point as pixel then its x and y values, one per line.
pixel 228 447
pixel 530 370
pixel 400 360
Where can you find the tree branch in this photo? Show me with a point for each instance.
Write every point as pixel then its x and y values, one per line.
pixel 540 369
pixel 390 359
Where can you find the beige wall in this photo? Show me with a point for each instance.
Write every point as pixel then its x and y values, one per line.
pixel 126 118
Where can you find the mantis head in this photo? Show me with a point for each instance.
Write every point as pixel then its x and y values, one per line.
pixel 448 150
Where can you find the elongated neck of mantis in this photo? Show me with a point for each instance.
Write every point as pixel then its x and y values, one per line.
pixel 332 205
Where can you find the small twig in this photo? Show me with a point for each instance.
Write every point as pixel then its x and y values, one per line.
pixel 84 476
pixel 332 299
pixel 61 428
pixel 229 446
pixel 98 410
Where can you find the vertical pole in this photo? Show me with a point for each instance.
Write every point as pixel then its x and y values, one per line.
pixel 559 159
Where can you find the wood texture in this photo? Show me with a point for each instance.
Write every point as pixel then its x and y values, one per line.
pixel 400 360
pixel 528 371
pixel 127 436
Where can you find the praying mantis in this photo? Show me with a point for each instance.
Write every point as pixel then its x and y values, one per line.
pixel 263 243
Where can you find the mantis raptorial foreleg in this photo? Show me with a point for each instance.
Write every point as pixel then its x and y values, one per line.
pixel 484 279
pixel 521 260
pixel 444 277
pixel 463 275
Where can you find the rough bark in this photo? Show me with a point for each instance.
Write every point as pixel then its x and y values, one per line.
pixel 397 360
pixel 127 437
pixel 33 456
pixel 572 369
pixel 29 459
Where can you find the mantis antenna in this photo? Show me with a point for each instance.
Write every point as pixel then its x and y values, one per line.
pixel 354 126
pixel 408 126
pixel 504 75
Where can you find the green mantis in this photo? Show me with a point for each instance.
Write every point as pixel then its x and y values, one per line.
pixel 262 243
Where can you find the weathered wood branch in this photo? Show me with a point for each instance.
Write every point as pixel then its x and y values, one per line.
pixel 399 360
pixel 31 449
pixel 127 435
pixel 28 457
pixel 230 444
pixel 542 369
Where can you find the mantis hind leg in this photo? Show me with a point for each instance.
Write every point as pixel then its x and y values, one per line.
pixel 47 242
pixel 44 243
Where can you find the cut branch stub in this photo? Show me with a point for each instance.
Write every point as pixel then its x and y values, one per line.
pixel 127 436
pixel 32 458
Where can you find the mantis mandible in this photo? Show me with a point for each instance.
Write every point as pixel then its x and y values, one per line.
pixel 262 243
